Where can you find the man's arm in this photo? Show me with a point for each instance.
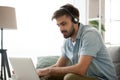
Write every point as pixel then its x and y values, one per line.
pixel 60 63
pixel 79 68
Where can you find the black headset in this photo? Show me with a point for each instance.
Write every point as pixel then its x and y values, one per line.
pixel 74 20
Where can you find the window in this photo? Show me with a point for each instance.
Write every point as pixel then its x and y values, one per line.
pixel 112 22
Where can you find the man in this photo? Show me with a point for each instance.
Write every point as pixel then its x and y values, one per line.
pixel 83 47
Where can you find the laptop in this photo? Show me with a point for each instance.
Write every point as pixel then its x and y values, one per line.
pixel 24 68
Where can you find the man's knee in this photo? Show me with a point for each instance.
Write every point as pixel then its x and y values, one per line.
pixel 69 76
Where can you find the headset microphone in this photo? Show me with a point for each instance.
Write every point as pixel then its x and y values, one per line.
pixel 74 20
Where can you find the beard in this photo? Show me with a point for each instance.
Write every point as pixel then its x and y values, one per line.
pixel 68 33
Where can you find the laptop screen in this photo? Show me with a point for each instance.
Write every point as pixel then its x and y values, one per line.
pixel 24 68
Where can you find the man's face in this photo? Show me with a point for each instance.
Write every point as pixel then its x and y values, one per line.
pixel 66 26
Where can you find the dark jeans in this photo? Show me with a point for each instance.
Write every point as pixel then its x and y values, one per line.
pixel 69 76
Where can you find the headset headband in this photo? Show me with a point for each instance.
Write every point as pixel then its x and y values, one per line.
pixel 74 20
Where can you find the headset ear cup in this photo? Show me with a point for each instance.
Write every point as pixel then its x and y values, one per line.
pixel 75 20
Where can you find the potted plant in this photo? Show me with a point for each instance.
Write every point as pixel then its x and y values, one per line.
pixel 95 24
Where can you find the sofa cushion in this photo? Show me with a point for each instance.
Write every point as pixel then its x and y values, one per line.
pixel 46 61
pixel 115 55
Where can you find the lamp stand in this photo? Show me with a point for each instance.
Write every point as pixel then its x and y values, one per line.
pixel 4 61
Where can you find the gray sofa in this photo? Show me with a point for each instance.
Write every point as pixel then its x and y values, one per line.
pixel 115 55
pixel 114 52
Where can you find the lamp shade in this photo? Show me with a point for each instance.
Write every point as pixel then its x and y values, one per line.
pixel 7 17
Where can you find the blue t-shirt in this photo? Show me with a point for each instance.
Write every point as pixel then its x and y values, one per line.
pixel 89 42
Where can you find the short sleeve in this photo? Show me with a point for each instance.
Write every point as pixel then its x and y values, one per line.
pixel 91 43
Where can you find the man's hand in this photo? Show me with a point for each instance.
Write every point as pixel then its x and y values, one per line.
pixel 43 72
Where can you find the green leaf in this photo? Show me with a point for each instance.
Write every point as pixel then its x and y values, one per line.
pixel 95 24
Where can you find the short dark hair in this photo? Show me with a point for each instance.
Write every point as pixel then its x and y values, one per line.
pixel 60 12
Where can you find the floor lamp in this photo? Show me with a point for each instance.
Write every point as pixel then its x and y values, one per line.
pixel 7 21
